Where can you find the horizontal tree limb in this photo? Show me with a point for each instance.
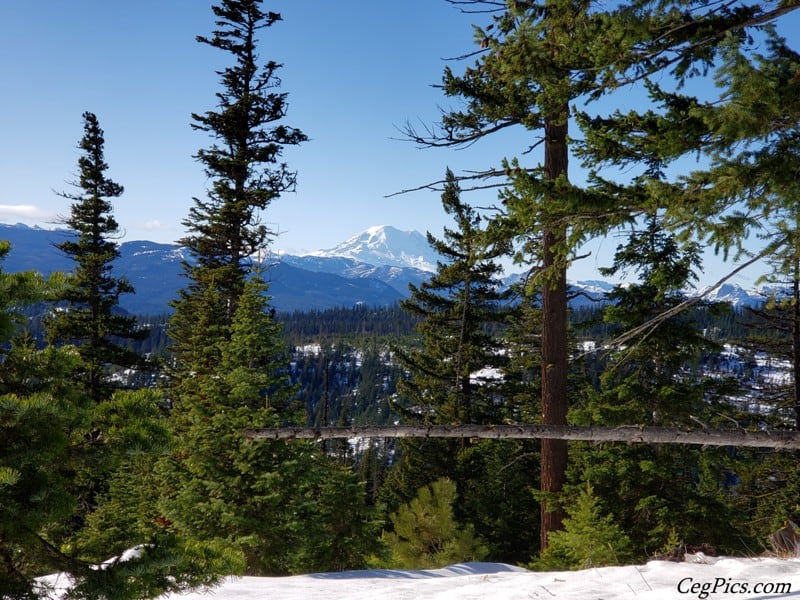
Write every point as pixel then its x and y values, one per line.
pixel 775 438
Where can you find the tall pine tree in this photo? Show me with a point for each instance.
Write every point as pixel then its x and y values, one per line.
pixel 270 508
pixel 89 316
pixel 655 492
pixel 280 508
pixel 458 375
pixel 243 165
pixel 457 308
pixel 535 61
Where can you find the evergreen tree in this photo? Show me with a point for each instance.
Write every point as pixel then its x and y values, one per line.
pixel 34 442
pixel 775 326
pixel 457 376
pixel 535 61
pixel 590 539
pixel 746 138
pixel 47 466
pixel 426 534
pixel 91 319
pixel 646 377
pixel 456 308
pixel 244 167
pixel 263 504
pixel 655 492
pixel 269 503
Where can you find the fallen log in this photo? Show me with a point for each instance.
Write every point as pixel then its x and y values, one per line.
pixel 775 438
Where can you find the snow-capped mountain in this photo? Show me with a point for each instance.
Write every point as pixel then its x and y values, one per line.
pixel 398 278
pixel 734 294
pixel 385 245
pixel 156 273
pixel 373 268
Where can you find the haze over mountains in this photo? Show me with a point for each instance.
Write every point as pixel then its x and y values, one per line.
pixel 374 268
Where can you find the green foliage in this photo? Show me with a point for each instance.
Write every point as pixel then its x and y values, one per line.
pixel 458 374
pixel 347 323
pixel 426 534
pixel 653 491
pixel 88 315
pixel 149 571
pixel 17 290
pixel 539 67
pixel 265 503
pixel 589 538
pixel 766 494
pixel 268 502
pixel 36 493
pixel 456 308
pixel 496 481
pixel 243 165
pixel 75 455
pixel 56 447
pixel 38 416
pixel 645 382
pixel 338 530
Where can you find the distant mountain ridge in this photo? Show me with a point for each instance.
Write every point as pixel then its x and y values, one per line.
pixel 316 281
pixel 155 270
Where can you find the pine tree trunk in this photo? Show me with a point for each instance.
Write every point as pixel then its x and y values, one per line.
pixel 554 336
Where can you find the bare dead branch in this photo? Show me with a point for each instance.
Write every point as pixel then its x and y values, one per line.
pixel 447 139
pixel 436 186
pixel 466 55
pixel 494 6
pixel 649 326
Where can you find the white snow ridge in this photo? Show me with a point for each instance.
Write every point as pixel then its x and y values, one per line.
pixel 702 578
pixel 386 245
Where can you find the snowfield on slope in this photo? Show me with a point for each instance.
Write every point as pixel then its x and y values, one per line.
pixel 700 577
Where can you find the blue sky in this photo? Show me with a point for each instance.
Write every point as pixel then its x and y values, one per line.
pixel 354 70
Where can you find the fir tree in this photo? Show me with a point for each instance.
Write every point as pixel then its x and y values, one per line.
pixel 534 62
pixel 35 419
pixel 244 167
pixel 645 377
pixel 457 308
pixel 266 502
pixel 47 466
pixel 254 500
pixel 652 491
pixel 457 376
pixel 91 319
pixel 745 136
pixel 589 539
pixel 775 326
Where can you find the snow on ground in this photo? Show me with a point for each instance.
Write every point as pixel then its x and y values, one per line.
pixel 705 578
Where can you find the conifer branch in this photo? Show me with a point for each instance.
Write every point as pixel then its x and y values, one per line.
pixel 647 327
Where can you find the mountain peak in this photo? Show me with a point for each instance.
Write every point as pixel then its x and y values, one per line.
pixel 386 245
pixel 379 229
pixel 734 294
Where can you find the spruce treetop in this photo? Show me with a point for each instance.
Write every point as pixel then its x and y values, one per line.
pixel 91 320
pixel 244 166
